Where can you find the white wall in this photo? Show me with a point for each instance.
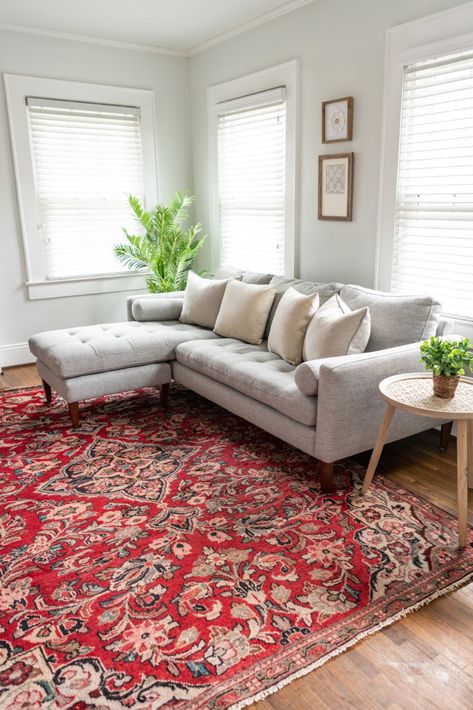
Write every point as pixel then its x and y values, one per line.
pixel 76 61
pixel 340 44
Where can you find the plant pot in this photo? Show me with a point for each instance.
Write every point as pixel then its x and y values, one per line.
pixel 445 385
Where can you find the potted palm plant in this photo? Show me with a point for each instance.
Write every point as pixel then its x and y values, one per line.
pixel 447 359
pixel 165 248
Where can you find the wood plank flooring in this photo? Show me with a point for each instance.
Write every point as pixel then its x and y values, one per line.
pixel 424 661
pixel 22 376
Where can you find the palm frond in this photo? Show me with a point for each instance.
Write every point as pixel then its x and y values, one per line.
pixel 133 255
pixel 141 215
pixel 166 249
pixel 179 204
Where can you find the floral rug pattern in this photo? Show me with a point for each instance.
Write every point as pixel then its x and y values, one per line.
pixel 187 559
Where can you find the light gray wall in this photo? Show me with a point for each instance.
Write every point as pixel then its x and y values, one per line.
pixel 340 44
pixel 75 61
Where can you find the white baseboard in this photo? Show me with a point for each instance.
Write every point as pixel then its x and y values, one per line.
pixel 15 354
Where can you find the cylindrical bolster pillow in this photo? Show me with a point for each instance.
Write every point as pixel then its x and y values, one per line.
pixel 307 376
pixel 157 308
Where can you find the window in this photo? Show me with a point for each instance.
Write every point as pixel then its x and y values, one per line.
pixel 79 151
pixel 252 165
pixel 252 182
pixel 425 217
pixel 433 237
pixel 86 159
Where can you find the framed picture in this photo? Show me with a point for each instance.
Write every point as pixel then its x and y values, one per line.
pixel 337 120
pixel 336 186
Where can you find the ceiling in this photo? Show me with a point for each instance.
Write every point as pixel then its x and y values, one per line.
pixel 178 25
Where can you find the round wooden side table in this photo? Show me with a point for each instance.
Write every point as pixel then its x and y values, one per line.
pixel 413 393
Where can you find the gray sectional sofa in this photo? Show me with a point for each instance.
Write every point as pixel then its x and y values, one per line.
pixel 328 408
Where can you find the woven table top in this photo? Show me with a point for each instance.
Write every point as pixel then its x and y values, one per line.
pixel 414 392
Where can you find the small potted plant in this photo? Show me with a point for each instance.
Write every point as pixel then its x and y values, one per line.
pixel 447 359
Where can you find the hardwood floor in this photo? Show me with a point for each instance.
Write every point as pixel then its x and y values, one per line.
pixel 425 660
pixel 22 376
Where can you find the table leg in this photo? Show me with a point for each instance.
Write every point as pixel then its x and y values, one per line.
pixel 445 435
pixel 470 453
pixel 377 451
pixel 462 480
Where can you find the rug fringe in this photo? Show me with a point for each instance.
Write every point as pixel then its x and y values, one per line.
pixel 364 634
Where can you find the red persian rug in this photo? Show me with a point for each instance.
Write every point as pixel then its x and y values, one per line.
pixel 187 559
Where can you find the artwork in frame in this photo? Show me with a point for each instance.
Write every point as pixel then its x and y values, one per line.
pixel 336 186
pixel 337 120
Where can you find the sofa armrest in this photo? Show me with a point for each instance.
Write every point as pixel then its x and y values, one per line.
pixel 445 327
pixel 307 375
pixel 350 409
pixel 155 304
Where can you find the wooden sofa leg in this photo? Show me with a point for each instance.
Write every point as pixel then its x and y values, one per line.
pixel 74 413
pixel 47 391
pixel 445 435
pixel 326 477
pixel 164 395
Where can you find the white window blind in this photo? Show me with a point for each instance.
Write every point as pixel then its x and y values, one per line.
pixel 87 158
pixel 433 241
pixel 251 160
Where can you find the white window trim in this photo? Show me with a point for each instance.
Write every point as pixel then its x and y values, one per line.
pixel 17 87
pixel 281 75
pixel 416 41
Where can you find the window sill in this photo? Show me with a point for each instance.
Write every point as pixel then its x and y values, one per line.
pixel 84 286
pixel 457 318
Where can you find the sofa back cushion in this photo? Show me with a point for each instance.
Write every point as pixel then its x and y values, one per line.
pixel 253 277
pixel 244 311
pixel 202 299
pixel 281 285
pixel 248 277
pixel 395 319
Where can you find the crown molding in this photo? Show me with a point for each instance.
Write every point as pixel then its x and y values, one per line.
pixel 283 9
pixel 432 18
pixel 249 25
pixel 88 39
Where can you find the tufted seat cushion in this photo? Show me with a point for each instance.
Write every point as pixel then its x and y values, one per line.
pixel 252 370
pixel 101 348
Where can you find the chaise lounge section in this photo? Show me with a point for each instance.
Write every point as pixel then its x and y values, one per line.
pixel 91 361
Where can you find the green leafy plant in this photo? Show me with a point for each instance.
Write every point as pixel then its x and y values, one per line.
pixel 166 249
pixel 447 357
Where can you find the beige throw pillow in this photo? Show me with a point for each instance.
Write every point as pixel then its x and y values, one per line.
pixel 244 311
pixel 336 330
pixel 335 303
pixel 202 299
pixel 289 325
